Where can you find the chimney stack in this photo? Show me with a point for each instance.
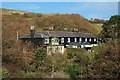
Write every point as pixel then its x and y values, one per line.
pixel 32 32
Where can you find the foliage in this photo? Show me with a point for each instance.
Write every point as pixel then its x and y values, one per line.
pixel 98 27
pixel 54 63
pixel 107 65
pixel 111 28
pixel 79 55
pixel 73 71
pixel 97 48
pixel 16 55
pixel 82 59
pixel 5 73
pixel 40 54
pixel 30 75
pixel 68 21
pixel 75 63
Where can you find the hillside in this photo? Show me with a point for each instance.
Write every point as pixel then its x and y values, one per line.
pixel 26 61
pixel 13 51
pixel 98 27
pixel 23 20
pixel 68 21
pixel 10 12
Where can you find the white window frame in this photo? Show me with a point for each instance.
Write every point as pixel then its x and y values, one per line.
pixel 55 41
pixel 80 39
pixel 85 39
pixel 68 39
pixel 46 40
pixel 75 39
pixel 90 39
pixel 62 40
pixel 95 39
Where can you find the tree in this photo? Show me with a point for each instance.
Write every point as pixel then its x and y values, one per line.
pixel 54 64
pixel 111 28
pixel 107 64
pixel 5 73
pixel 73 71
pixel 40 55
pixel 81 59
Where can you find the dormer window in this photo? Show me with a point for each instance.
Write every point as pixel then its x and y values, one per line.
pixel 55 41
pixel 75 39
pixel 62 40
pixel 68 39
pixel 46 40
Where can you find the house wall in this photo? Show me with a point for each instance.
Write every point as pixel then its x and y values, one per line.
pixel 73 46
pixel 55 49
pixel 58 47
pixel 35 41
pixel 72 39
pixel 54 41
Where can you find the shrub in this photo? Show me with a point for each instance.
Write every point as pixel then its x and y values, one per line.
pixel 107 63
pixel 40 54
pixel 30 75
pixel 73 71
pixel 5 73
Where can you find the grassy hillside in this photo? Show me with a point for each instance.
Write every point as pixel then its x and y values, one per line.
pixel 80 53
pixel 23 20
pixel 98 27
pixel 68 21
pixel 12 22
pixel 13 51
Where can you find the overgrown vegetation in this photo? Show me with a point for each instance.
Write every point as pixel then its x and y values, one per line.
pixel 5 73
pixel 25 60
pixel 107 62
pixel 111 28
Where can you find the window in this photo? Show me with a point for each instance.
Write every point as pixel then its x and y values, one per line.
pixel 47 41
pixel 68 39
pixel 75 39
pixel 55 41
pixel 85 39
pixel 94 39
pixel 62 40
pixel 90 39
pixel 80 39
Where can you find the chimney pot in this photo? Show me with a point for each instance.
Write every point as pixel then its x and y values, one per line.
pixel 32 32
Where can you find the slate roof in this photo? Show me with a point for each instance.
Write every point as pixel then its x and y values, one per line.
pixel 59 34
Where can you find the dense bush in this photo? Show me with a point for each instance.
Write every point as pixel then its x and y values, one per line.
pixel 40 54
pixel 111 28
pixel 73 71
pixel 5 73
pixel 107 64
pixel 30 75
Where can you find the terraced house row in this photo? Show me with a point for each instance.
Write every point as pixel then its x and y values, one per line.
pixel 57 41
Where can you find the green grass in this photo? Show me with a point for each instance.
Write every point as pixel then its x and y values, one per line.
pixel 30 75
pixel 74 50
pixel 79 52
pixel 97 49
pixel 98 27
